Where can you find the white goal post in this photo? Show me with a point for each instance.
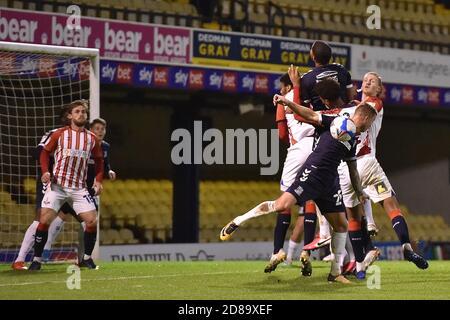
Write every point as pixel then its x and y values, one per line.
pixel 93 54
pixel 26 113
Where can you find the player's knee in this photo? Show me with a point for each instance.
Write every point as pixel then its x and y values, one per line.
pixel 285 202
pixel 91 222
pixel 281 205
pixel 341 227
pixel 46 217
pixel 62 216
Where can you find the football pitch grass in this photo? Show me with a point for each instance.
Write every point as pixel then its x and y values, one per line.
pixel 217 280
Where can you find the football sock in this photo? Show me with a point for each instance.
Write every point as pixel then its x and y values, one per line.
pixel 28 241
pixel 281 228
pixel 310 227
pixel 40 240
pixel 90 236
pixel 53 231
pixel 292 248
pixel 349 249
pixel 407 246
pixel 354 231
pixel 367 241
pixel 260 210
pixel 399 225
pixel 324 226
pixel 338 248
pixel 368 212
pixel 359 266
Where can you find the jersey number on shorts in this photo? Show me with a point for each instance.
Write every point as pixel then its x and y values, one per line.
pixel 338 197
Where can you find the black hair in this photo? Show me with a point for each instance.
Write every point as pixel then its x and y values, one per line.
pixel 286 80
pixel 322 52
pixel 328 89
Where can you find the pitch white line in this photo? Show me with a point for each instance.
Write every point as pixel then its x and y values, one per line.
pixel 125 278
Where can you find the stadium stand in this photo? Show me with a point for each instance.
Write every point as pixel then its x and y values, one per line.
pixel 140 211
pixel 410 24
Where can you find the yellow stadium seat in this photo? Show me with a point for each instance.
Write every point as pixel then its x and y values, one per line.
pixel 127 236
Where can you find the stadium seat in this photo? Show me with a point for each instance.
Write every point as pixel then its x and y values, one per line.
pixel 148 204
pixel 113 236
pixel 127 236
pixel 185 14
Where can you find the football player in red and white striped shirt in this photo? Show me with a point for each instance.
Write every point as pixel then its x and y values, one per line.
pixel 72 146
pixel 375 183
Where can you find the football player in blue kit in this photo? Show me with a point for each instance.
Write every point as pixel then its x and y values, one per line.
pixel 318 179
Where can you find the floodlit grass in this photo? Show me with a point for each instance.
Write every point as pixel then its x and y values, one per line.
pixel 222 281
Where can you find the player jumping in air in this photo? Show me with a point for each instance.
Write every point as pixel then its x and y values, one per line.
pixel 300 137
pixel 376 185
pixel 318 179
pixel 321 54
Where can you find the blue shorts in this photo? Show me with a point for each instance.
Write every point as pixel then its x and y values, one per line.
pixel 328 197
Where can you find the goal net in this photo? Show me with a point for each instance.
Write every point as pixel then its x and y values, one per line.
pixel 35 82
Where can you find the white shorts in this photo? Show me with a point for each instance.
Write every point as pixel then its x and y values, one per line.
pixel 373 180
pixel 295 158
pixel 79 199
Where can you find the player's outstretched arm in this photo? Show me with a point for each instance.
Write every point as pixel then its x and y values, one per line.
pixel 356 181
pixel 306 113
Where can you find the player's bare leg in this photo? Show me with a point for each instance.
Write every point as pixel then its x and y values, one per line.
pixel 90 236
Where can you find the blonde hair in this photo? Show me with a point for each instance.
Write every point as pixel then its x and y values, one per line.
pixel 366 109
pixel 380 81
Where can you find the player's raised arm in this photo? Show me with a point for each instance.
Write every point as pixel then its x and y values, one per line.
pixel 306 113
pixel 294 75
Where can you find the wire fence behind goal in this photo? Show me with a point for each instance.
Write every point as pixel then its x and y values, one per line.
pixel 33 89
